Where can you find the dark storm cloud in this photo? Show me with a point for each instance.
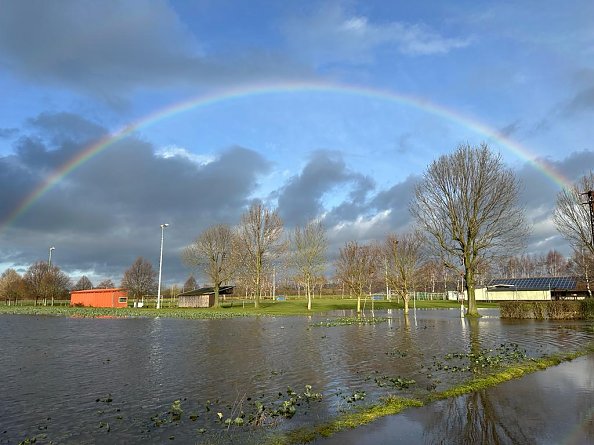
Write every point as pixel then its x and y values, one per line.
pixel 107 49
pixel 106 212
pixel 301 198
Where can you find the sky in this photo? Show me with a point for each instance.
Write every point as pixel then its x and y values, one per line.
pixel 119 116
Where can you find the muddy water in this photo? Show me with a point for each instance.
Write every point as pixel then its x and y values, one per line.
pixel 114 380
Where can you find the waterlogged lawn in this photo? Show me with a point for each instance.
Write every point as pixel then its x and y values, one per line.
pixel 234 309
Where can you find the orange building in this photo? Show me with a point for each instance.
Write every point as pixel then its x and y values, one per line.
pixel 99 298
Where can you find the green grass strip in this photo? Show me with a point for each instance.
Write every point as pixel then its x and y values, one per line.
pixel 389 406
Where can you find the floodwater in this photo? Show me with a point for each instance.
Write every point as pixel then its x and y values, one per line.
pixel 554 406
pixel 72 380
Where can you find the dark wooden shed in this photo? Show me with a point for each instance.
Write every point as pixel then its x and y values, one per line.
pixel 203 297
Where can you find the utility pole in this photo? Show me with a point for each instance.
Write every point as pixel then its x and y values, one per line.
pixel 49 261
pixel 387 284
pixel 590 204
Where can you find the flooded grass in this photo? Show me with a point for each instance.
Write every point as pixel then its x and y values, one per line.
pixel 394 405
pixel 238 309
pixel 389 406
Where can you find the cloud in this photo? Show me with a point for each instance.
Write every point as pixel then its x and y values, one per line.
pixel 539 196
pixel 106 212
pixel 331 34
pixel 6 133
pixel 301 198
pixel 111 49
pixel 173 151
pixel 582 101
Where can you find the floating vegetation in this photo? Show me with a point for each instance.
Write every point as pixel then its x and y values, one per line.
pixel 349 321
pixel 106 399
pixel 505 354
pixel 176 411
pixel 394 382
pixel 397 353
pixel 355 397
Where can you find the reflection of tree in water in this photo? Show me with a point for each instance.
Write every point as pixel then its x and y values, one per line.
pixel 473 418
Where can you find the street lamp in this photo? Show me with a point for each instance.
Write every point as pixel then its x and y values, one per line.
pixel 49 261
pixel 161 265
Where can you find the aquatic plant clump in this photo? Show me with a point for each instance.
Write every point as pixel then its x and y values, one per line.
pixel 349 321
pixel 504 354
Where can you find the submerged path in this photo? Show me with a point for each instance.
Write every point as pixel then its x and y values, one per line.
pixel 551 406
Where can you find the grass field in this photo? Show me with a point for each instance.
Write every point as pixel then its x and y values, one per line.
pixel 232 308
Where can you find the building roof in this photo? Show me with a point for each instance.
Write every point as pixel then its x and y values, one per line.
pixel 97 291
pixel 541 283
pixel 223 290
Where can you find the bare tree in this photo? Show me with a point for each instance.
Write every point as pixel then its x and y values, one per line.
pixel 572 218
pixel 190 284
pixel 404 260
pixel 47 282
pixel 106 284
pixel 12 285
pixel 140 279
pixel 212 253
pixel 467 202
pixel 260 242
pixel 83 284
pixel 356 267
pixel 308 255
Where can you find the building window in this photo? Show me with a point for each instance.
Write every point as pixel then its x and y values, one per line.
pixel 123 300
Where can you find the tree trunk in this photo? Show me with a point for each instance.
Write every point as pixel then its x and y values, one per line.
pixel 405 298
pixel 216 295
pixel 469 284
pixel 258 287
pixel 308 284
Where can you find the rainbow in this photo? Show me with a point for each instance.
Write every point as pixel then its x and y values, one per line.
pixel 278 88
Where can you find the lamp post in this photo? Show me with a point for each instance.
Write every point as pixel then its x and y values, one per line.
pixel 161 265
pixel 49 261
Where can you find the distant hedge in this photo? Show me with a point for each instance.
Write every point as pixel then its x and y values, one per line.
pixel 548 310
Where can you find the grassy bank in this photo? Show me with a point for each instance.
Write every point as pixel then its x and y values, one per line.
pixel 237 308
pixel 395 405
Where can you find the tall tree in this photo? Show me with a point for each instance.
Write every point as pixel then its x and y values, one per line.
pixel 467 201
pixel 83 284
pixel 403 255
pixel 308 255
pixel 12 285
pixel 356 267
pixel 212 253
pixel 260 243
pixel 190 284
pixel 140 279
pixel 46 282
pixel 572 217
pixel 106 284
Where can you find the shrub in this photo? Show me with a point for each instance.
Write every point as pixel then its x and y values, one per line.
pixel 588 308
pixel 551 310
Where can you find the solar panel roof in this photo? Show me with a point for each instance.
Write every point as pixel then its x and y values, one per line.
pixel 536 283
